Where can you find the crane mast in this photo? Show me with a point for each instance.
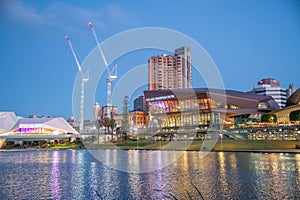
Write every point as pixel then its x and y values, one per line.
pixel 110 77
pixel 73 52
pixel 84 79
pixel 98 44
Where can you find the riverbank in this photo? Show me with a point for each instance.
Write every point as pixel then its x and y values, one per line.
pixel 197 145
pixel 225 145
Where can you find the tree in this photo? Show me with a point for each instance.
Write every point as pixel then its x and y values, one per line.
pixel 99 124
pixel 106 124
pixel 295 115
pixel 269 118
pixel 112 125
pixel 119 132
pixel 125 121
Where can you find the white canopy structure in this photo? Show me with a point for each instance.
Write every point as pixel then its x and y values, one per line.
pixel 54 126
pixel 13 128
pixel 7 121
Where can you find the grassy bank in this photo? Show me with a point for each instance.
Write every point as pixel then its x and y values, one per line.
pixel 225 145
pixel 255 145
pixel 64 146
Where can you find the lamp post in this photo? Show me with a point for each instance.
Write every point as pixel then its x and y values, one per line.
pixel 159 141
pixel 272 118
pixel 221 135
pixel 137 142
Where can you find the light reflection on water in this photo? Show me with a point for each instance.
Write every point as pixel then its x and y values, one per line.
pixel 75 174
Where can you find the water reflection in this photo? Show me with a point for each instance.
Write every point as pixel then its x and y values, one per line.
pixel 75 174
pixel 55 176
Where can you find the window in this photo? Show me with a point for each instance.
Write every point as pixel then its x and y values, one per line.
pixel 262 106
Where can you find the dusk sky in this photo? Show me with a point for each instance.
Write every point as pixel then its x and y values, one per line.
pixel 248 41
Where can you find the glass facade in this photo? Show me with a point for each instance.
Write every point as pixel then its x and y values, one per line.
pixel 188 112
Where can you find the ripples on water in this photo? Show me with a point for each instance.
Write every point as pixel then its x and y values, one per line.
pixel 75 174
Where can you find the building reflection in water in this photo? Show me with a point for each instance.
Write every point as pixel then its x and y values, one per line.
pixel 76 175
pixel 271 171
pixel 79 175
pixel 134 181
pixel 94 177
pixel 227 163
pixel 55 175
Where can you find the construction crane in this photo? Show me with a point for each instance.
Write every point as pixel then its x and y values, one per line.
pixel 110 77
pixel 84 79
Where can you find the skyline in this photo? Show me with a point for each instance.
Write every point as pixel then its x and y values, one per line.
pixel 38 70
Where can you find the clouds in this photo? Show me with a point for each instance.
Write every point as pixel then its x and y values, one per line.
pixel 19 11
pixel 63 15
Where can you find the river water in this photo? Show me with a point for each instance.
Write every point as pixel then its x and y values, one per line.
pixel 76 174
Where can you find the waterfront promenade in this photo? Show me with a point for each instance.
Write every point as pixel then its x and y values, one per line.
pixel 218 146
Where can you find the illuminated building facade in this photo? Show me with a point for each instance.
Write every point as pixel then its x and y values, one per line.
pixel 170 71
pixel 43 126
pixel 138 119
pixel 202 108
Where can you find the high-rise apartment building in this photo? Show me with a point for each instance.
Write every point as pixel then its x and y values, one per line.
pixel 170 71
pixel 271 87
pixel 184 61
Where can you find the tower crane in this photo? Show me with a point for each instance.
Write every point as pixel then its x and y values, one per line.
pixel 84 79
pixel 110 77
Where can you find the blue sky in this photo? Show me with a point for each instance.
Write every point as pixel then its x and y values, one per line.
pixel 248 40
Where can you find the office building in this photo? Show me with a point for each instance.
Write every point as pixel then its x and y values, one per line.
pixel 271 87
pixel 139 104
pixel 170 71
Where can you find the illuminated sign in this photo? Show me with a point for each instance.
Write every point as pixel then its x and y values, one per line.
pixel 30 126
pixel 161 98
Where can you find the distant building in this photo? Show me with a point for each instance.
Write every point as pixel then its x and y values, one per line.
pixel 108 111
pixel 184 61
pixel 118 119
pixel 138 119
pixel 291 89
pixel 140 104
pixel 271 87
pixel 96 111
pixel 291 113
pixel 170 71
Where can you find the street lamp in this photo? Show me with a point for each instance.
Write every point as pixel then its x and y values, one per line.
pixel 137 142
pixel 272 118
pixel 159 138
pixel 221 135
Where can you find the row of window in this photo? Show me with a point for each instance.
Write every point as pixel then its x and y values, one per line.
pixel 187 120
pixel 159 107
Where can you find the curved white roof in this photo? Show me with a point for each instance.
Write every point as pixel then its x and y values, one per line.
pixel 58 124
pixel 7 121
